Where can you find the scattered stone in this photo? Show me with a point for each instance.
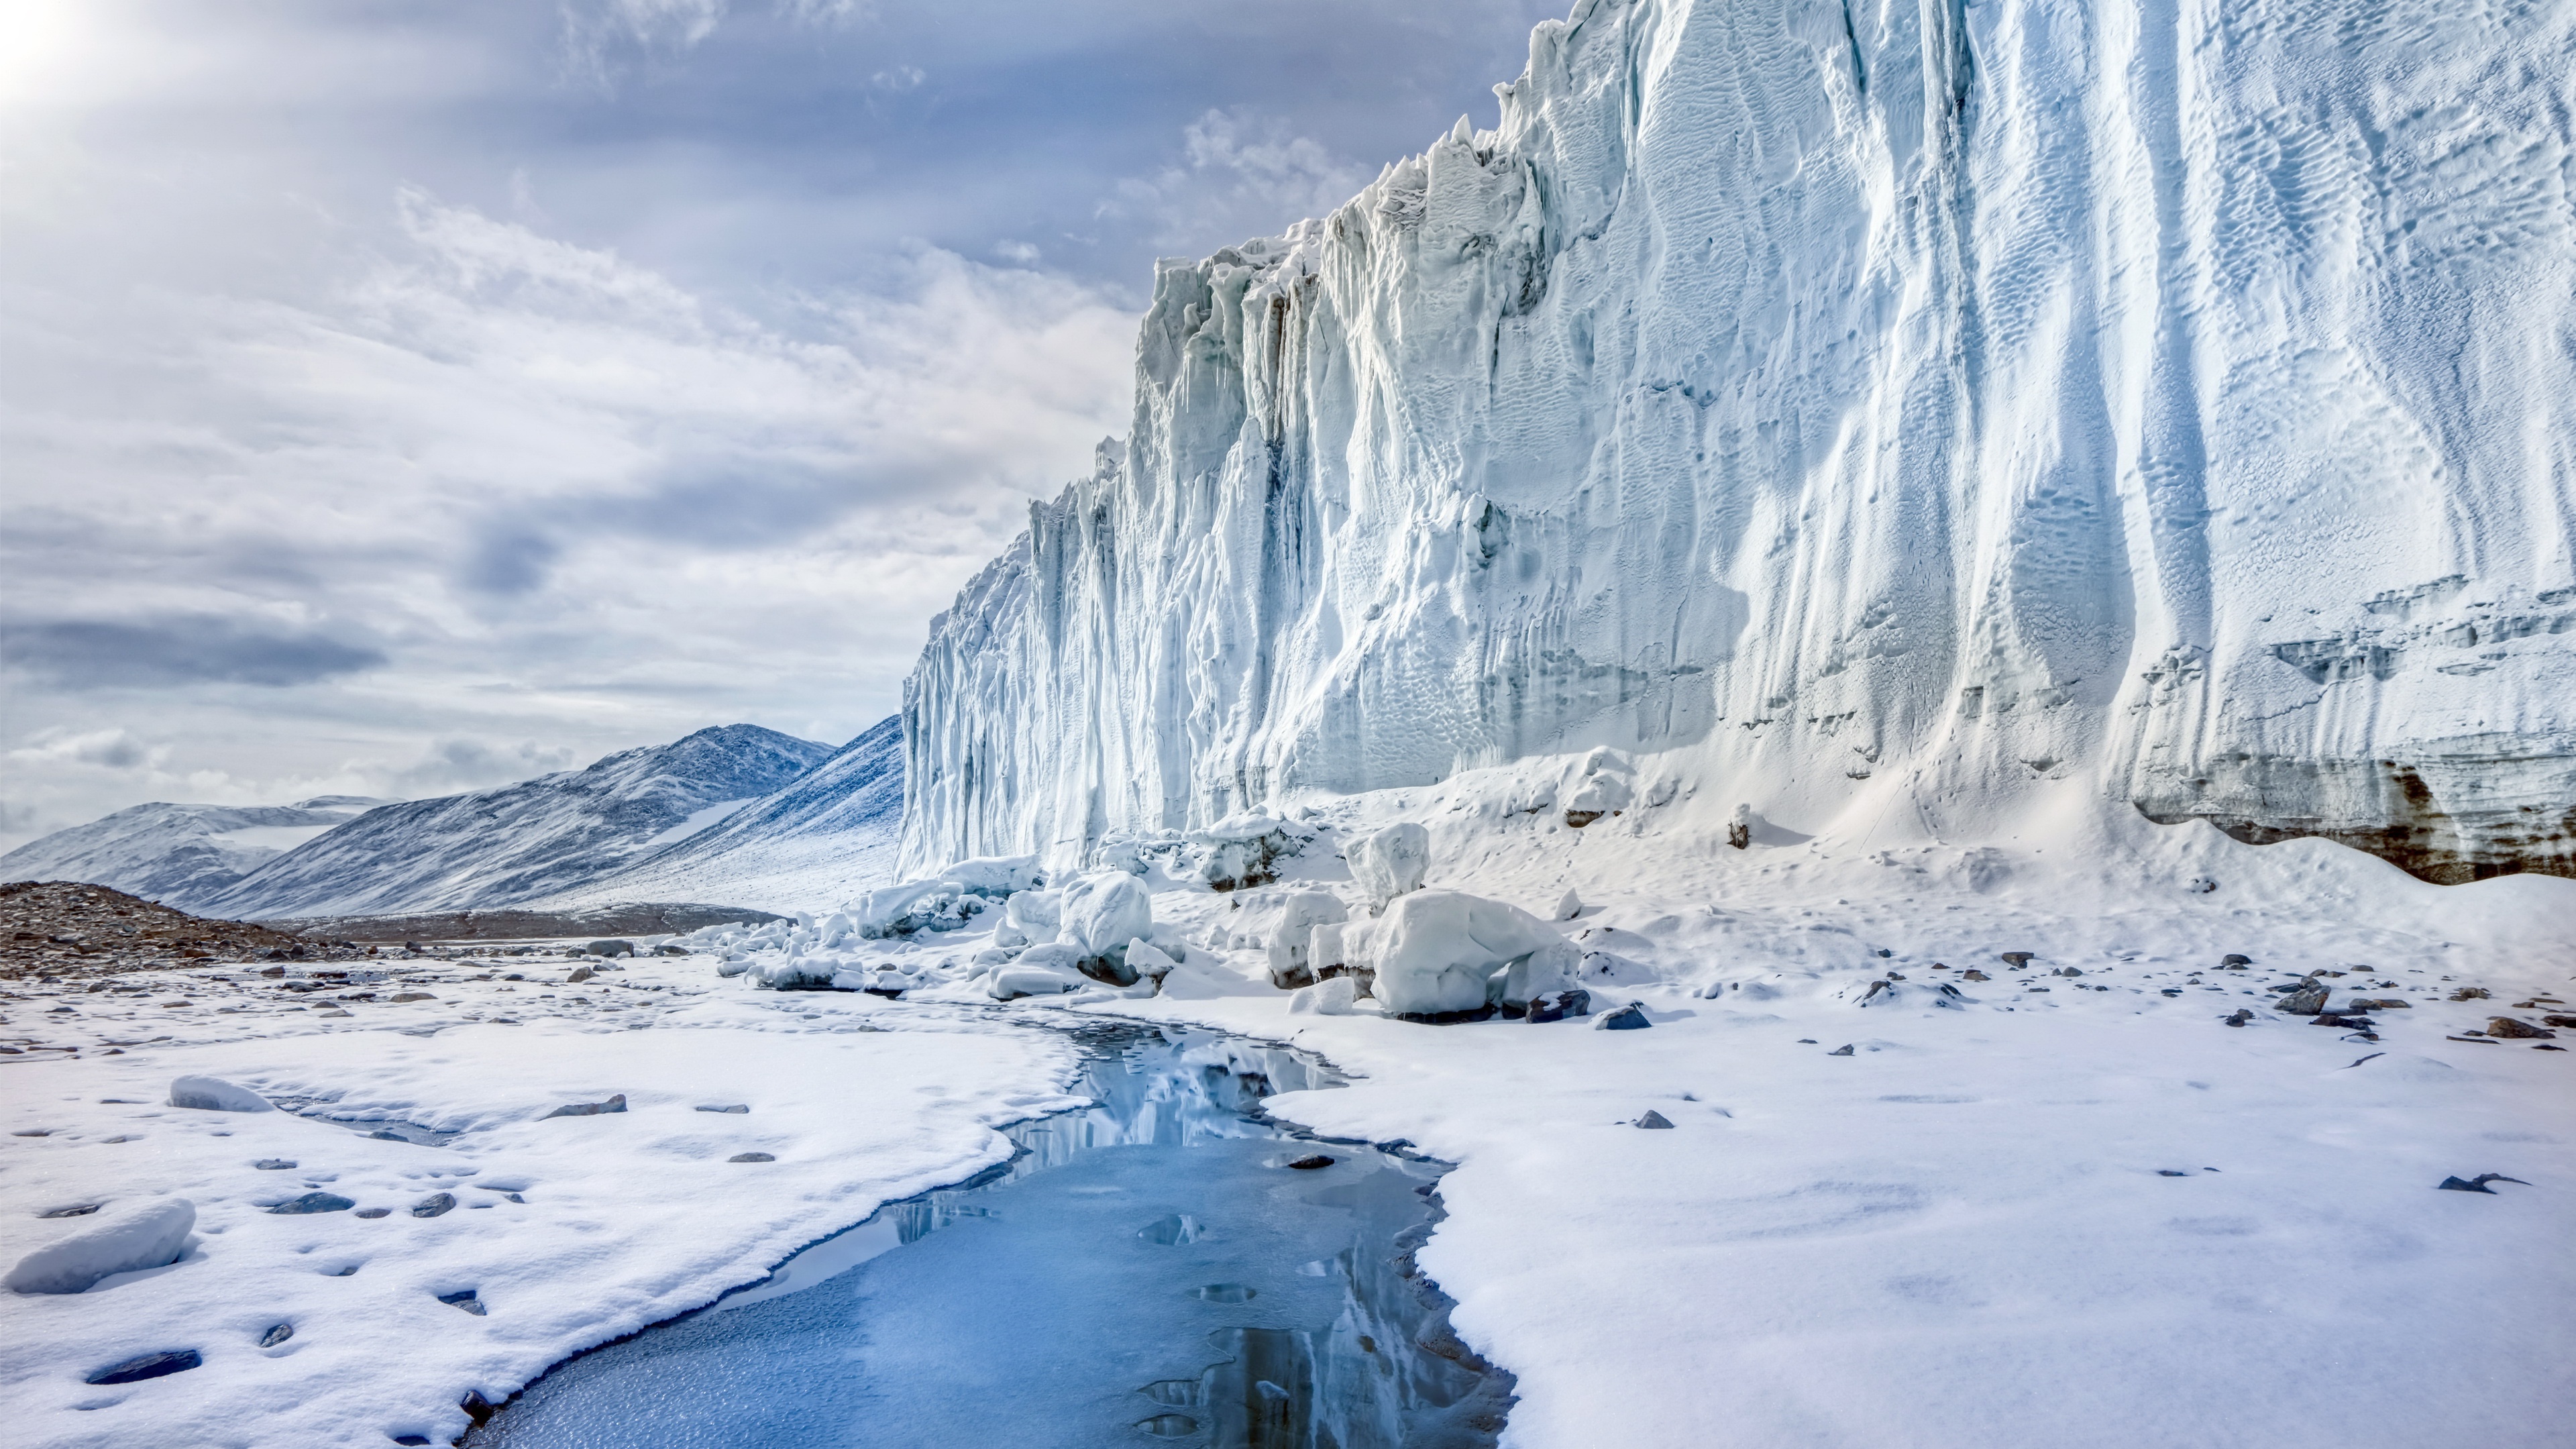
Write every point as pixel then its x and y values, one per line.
pixel 2308 1000
pixel 1311 1161
pixel 467 1300
pixel 1559 1005
pixel 736 1109
pixel 2346 1023
pixel 149 1366
pixel 2238 1018
pixel 1653 1118
pixel 2171 1172
pixel 2381 1003
pixel 2470 993
pixel 1631 1017
pixel 434 1204
pixel 402 996
pixel 587 1109
pixel 751 1157
pixel 2357 1061
pixel 82 1211
pixel 315 1202
pixel 578 975
pixel 2232 961
pixel 2478 1183
pixel 277 1335
pixel 1841 1051
pixel 1973 974
pixel 476 1407
pixel 2015 959
pixel 611 948
pixel 2506 1026
pixel 375 1212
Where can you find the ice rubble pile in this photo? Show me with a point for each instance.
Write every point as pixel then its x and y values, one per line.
pixel 1935 414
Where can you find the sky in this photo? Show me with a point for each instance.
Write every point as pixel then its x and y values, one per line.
pixel 406 398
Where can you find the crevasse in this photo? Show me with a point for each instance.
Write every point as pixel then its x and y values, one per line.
pixel 1921 409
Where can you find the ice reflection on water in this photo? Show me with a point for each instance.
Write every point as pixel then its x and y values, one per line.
pixel 1144 1271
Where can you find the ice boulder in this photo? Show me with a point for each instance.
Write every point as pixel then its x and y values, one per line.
pixel 1041 971
pixel 1036 915
pixel 1337 997
pixel 1291 959
pixel 214 1094
pixel 1443 951
pixel 1603 788
pixel 146 1238
pixel 1337 948
pixel 1243 850
pixel 1552 968
pixel 1149 961
pixel 1390 863
pixel 1103 911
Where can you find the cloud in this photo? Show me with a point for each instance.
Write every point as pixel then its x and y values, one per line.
pixel 100 749
pixel 93 654
pixel 1240 174
pixel 898 79
pixel 452 766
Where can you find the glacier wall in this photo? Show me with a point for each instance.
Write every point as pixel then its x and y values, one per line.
pixel 1855 404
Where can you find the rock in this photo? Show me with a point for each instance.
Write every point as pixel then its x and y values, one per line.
pixel 434 1204
pixel 1337 996
pixel 2558 1020
pixel 476 1407
pixel 2308 1000
pixel 1653 1119
pixel 578 975
pixel 81 1211
pixel 1311 1161
pixel 2477 1183
pixel 402 996
pixel 2470 993
pixel 751 1157
pixel 2381 1003
pixel 2238 1018
pixel 1841 1051
pixel 1558 1005
pixel 2015 959
pixel 2231 961
pixel 1390 863
pixel 214 1094
pixel 1973 974
pixel 149 1366
pixel 669 950
pixel 736 1109
pixel 2506 1026
pixel 611 948
pixel 314 1202
pixel 277 1335
pixel 1631 1017
pixel 469 1300
pixel 375 1212
pixel 149 1237
pixel 2347 1023
pixel 587 1109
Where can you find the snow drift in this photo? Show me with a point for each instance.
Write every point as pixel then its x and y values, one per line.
pixel 1920 418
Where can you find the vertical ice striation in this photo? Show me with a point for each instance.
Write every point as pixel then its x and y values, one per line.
pixel 1854 402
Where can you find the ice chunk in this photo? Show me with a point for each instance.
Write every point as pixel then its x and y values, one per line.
pixel 214 1094
pixel 1391 863
pixel 146 1238
pixel 1336 997
pixel 1569 906
pixel 1036 915
pixel 1442 950
pixel 1040 971
pixel 1103 911
pixel 1149 960
pixel 1291 959
pixel 1243 850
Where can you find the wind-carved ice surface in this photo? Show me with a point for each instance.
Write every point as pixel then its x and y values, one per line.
pixel 1932 414
pixel 1148 1270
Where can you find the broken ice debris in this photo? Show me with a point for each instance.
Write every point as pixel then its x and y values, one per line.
pixel 214 1094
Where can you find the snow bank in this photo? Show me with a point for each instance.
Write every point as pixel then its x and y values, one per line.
pixel 147 1237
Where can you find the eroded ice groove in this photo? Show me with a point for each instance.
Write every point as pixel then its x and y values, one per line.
pixel 1925 418
pixel 1150 1270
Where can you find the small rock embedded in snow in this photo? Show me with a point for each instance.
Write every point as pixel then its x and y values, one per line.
pixel 2471 993
pixel 403 996
pixel 372 1213
pixel 2507 1026
pixel 1653 1118
pixel 1311 1161
pixel 82 1211
pixel 315 1202
pixel 1559 1005
pixel 214 1094
pixel 736 1109
pixel 274 1164
pixel 277 1335
pixel 149 1238
pixel 2231 961
pixel 2478 1183
pixel 1571 906
pixel 2306 1001
pixel 1631 1017
pixel 2015 959
pixel 1973 974
pixel 578 975
pixel 468 1300
pixel 1841 1051
pixel 2237 1018
pixel 587 1109
pixel 751 1157
pixel 149 1366
pixel 611 948
pixel 434 1204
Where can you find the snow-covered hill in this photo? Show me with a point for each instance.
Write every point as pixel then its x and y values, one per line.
pixel 1887 421
pixel 525 841
pixel 179 855
pixel 822 840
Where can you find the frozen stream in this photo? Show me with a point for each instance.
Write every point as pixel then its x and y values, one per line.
pixel 1149 1270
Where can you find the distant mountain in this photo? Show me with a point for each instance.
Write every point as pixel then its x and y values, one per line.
pixel 180 855
pixel 819 841
pixel 525 841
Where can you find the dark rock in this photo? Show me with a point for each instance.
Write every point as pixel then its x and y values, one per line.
pixel 1558 1005
pixel 2239 1017
pixel 736 1109
pixel 434 1204
pixel 2231 961
pixel 587 1109
pixel 2308 1000
pixel 1841 1051
pixel 277 1335
pixel 274 1164
pixel 2506 1026
pixel 149 1366
pixel 375 1212
pixel 1631 1017
pixel 2171 1172
pixel 467 1300
pixel 1311 1161
pixel 1653 1118
pixel 611 948
pixel 476 1407
pixel 82 1211
pixel 403 996
pixel 1973 974
pixel 2015 959
pixel 751 1157
pixel 1447 1018
pixel 315 1202
pixel 2381 1003
pixel 2475 1184
pixel 2470 993
pixel 2559 1020
pixel 2346 1023
pixel 577 975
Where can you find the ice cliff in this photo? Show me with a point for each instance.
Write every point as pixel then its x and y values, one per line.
pixel 1948 414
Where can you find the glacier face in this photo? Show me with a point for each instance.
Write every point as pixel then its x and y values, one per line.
pixel 527 841
pixel 1854 404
